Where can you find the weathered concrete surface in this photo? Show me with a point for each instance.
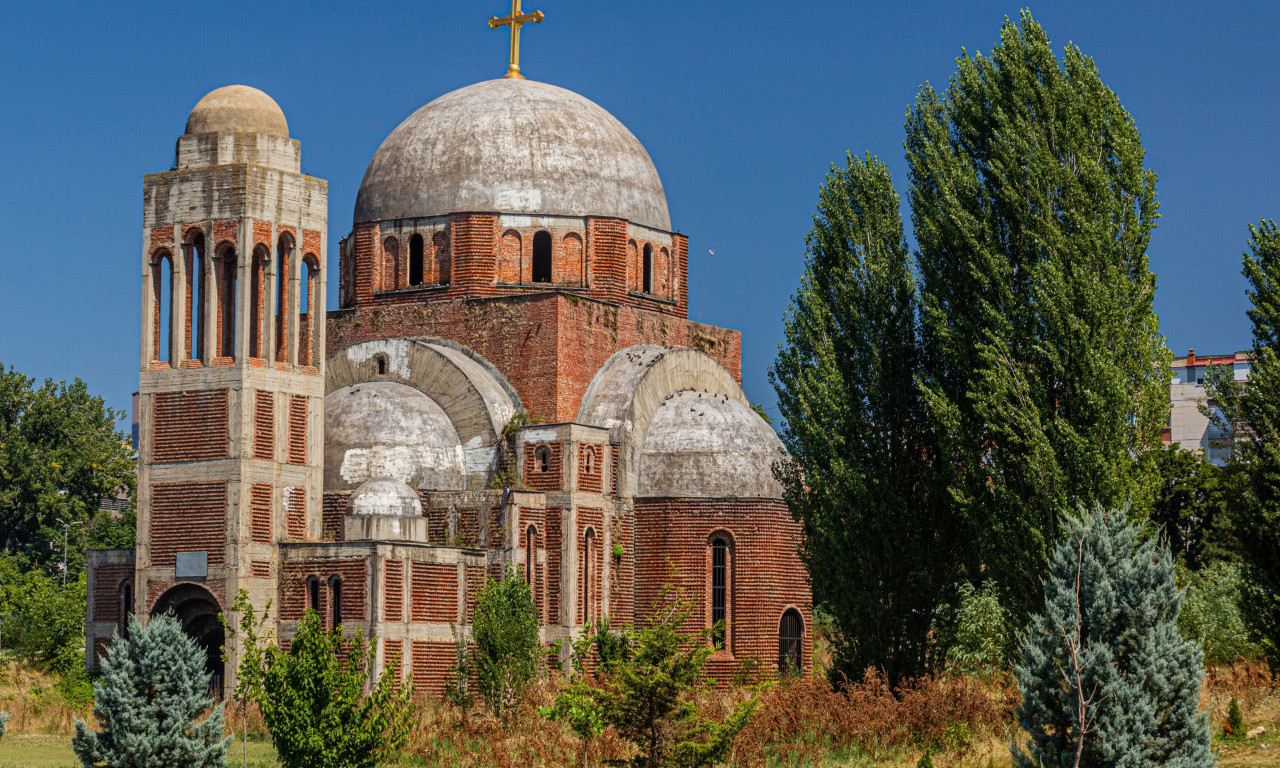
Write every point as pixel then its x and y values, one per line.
pixel 384 496
pixel 388 429
pixel 705 445
pixel 512 146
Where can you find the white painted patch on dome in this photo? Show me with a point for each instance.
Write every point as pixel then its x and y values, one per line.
pixel 396 352
pixel 517 198
pixel 400 462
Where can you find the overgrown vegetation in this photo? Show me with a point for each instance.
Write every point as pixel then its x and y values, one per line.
pixel 505 632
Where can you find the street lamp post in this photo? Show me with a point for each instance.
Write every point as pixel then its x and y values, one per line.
pixel 66 530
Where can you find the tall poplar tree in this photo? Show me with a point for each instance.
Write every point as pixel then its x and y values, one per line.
pixel 1046 374
pixel 1258 414
pixel 878 539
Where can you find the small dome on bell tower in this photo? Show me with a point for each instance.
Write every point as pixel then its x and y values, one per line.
pixel 237 109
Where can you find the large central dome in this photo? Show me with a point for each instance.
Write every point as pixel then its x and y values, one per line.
pixel 512 146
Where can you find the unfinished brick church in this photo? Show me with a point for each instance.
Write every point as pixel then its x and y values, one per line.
pixel 510 379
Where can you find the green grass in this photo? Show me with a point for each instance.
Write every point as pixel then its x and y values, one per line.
pixel 41 751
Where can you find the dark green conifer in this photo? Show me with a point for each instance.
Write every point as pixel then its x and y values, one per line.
pixel 154 688
pixel 1106 678
pixel 1235 721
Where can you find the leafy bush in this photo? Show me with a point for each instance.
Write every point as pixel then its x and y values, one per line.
pixel 1211 614
pixel 975 636
pixel 312 697
pixel 505 633
pixel 43 620
pixel 153 688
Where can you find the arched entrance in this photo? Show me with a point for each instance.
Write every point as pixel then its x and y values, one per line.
pixel 198 611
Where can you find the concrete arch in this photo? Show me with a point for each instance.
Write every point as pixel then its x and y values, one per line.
pixel 633 382
pixel 475 396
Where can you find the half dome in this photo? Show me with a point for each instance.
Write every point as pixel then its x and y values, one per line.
pixel 512 146
pixel 237 109
pixel 705 445
pixel 386 429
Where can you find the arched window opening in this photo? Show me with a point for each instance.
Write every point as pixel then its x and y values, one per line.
pixel 313 593
pixel 162 317
pixel 380 364
pixel 648 268
pixel 444 265
pixel 588 583
pixel 227 302
pixel 542 257
pixel 196 311
pixel 719 592
pixel 125 600
pixel 530 554
pixel 790 642
pixel 258 300
pixel 335 601
pixel 306 319
pixel 415 260
pixel 284 261
pixel 588 460
pixel 542 457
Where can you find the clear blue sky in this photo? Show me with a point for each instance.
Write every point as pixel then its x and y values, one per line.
pixel 742 105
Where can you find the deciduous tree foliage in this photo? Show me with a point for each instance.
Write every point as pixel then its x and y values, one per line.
pixel 1046 374
pixel 60 456
pixel 506 637
pixel 154 688
pixel 1258 415
pixel 880 539
pixel 1106 678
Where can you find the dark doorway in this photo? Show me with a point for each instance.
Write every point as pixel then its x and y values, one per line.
pixel 198 612
pixel 542 257
pixel 790 642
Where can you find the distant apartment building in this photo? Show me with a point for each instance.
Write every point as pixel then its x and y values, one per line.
pixel 1188 426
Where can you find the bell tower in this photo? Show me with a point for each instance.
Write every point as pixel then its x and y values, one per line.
pixel 232 365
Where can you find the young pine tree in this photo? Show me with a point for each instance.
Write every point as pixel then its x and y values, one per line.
pixel 154 688
pixel 1106 677
pixel 1046 374
pixel 879 539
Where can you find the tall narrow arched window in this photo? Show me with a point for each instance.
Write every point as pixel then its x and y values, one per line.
pixel 415 260
pixel 227 301
pixel 125 601
pixel 790 642
pixel 719 592
pixel 335 601
pixel 195 297
pixel 162 304
pixel 542 458
pixel 530 554
pixel 648 268
pixel 306 317
pixel 542 257
pixel 284 276
pixel 588 575
pixel 313 593
pixel 258 300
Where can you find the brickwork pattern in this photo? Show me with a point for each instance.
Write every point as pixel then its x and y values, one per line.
pixel 334 509
pixel 590 468
pixel 393 591
pixel 532 541
pixel 552 543
pixel 590 550
pixel 293 587
pixel 433 592
pixel 106 591
pixel 431 666
pixel 260 569
pixel 187 517
pixel 550 479
pixel 264 425
pixel 476 577
pixel 298 430
pixel 260 512
pixel 393 658
pixel 190 426
pixel 295 512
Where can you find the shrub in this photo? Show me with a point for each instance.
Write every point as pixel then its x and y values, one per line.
pixel 505 634
pixel 1106 679
pixel 1211 614
pixel 975 636
pixel 313 699
pixel 44 619
pixel 1234 727
pixel 153 688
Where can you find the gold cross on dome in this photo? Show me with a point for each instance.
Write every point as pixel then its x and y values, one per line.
pixel 515 21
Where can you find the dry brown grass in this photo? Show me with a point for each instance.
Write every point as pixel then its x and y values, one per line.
pixel 35 704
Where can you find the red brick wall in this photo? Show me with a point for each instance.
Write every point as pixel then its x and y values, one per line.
pixel 260 513
pixel 293 587
pixel 335 508
pixel 264 426
pixel 106 590
pixel 393 590
pixel 433 592
pixel 190 426
pixel 298 430
pixel 260 569
pixel 393 657
pixel 551 541
pixel 767 577
pixel 549 346
pixel 295 512
pixel 187 517
pixel 537 479
pixel 622 573
pixel 476 578
pixel 531 545
pixel 431 664
pixel 590 468
pixel 590 596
